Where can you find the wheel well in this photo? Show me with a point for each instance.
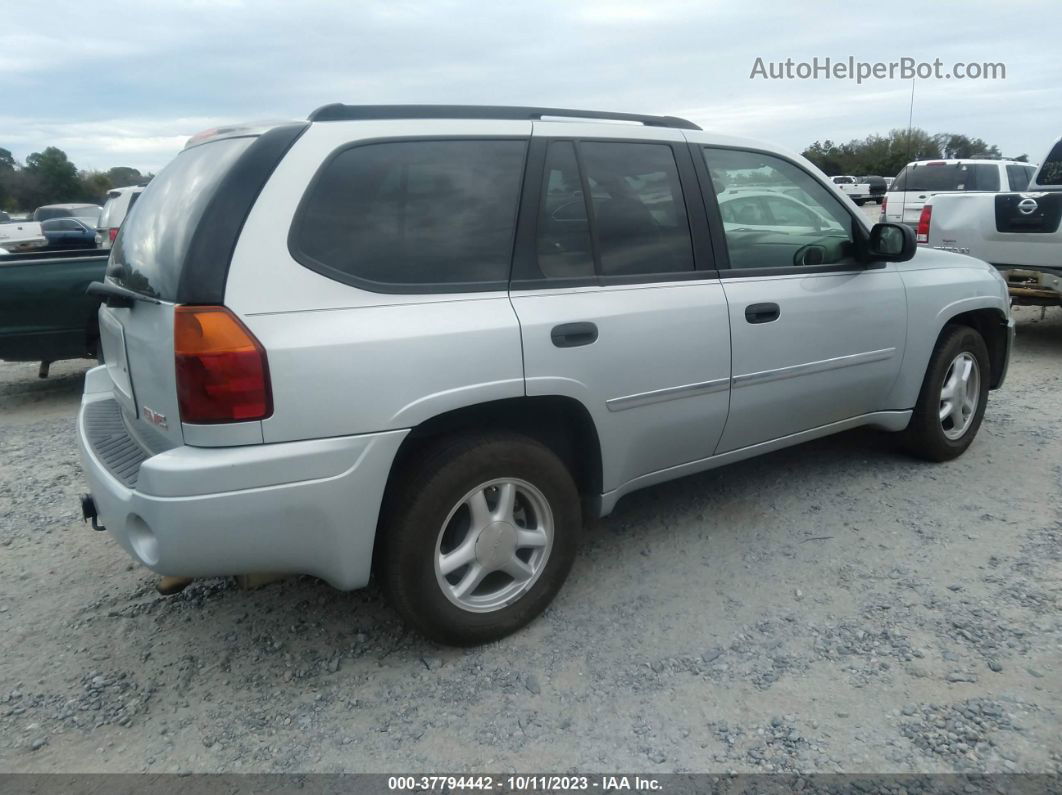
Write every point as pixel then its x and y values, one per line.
pixel 991 324
pixel 560 423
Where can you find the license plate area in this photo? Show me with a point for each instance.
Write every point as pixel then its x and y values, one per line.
pixel 112 342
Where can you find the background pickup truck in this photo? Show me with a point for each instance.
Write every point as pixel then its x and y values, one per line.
pixel 45 314
pixel 1019 233
pixel 862 189
pixel 21 236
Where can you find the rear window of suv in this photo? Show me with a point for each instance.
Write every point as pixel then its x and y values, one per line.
pixel 947 176
pixel 1051 170
pixel 150 249
pixel 414 216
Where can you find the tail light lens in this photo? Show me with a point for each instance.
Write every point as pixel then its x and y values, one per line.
pixel 922 232
pixel 112 233
pixel 222 371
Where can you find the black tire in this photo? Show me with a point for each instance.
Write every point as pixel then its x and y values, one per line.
pixel 858 202
pixel 417 505
pixel 879 201
pixel 925 436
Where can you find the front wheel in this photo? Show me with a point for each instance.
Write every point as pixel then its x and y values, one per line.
pixel 954 394
pixel 478 537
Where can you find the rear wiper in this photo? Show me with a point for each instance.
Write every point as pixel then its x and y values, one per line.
pixel 118 296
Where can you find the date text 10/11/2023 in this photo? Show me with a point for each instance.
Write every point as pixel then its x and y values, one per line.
pixel 528 783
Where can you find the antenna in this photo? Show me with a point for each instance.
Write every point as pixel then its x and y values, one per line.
pixel 910 119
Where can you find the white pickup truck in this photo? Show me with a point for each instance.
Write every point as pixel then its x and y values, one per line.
pixel 861 189
pixel 18 236
pixel 1019 233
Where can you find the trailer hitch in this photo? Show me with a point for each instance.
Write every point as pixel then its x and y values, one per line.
pixel 88 512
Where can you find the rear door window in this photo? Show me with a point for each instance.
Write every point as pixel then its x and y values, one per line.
pixel 564 247
pixel 1018 177
pixel 933 177
pixel 150 249
pixel 413 216
pixel 639 213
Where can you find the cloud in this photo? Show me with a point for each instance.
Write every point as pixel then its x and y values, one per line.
pixel 131 91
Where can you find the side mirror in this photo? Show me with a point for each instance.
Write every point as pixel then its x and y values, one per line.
pixel 891 242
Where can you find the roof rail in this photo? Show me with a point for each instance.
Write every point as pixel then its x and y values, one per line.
pixel 340 112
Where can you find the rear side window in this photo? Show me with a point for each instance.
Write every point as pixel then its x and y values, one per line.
pixel 1051 170
pixel 150 249
pixel 1018 176
pixel 413 216
pixel 948 177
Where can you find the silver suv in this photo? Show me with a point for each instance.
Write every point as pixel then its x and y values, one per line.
pixel 430 342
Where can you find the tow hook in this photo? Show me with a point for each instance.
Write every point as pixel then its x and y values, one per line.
pixel 88 512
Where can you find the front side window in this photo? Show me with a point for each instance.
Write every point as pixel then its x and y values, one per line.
pixel 420 214
pixel 775 214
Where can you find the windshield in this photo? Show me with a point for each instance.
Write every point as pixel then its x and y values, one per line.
pixel 149 251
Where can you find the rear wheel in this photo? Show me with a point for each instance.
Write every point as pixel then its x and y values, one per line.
pixel 478 537
pixel 954 394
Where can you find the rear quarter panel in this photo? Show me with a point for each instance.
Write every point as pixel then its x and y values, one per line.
pixel 343 360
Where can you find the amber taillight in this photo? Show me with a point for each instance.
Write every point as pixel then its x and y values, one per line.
pixel 222 371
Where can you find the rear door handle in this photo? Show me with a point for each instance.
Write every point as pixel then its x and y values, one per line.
pixel 572 335
pixel 762 313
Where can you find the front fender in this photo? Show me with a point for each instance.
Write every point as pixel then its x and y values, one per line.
pixel 935 296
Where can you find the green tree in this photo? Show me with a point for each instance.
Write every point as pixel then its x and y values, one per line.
pixel 95 185
pixel 953 145
pixel 7 180
pixel 54 174
pixel 123 176
pixel 878 155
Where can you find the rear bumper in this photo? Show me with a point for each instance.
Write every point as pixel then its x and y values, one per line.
pixel 305 507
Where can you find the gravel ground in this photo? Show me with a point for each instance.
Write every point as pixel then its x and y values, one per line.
pixel 835 607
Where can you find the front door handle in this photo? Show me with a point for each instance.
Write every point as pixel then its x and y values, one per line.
pixel 571 335
pixel 762 313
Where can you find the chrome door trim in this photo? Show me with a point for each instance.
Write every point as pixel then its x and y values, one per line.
pixel 821 366
pixel 668 393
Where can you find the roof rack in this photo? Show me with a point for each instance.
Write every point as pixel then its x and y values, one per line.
pixel 340 112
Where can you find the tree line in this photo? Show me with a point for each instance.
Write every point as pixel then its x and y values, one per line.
pixel 49 177
pixel 885 155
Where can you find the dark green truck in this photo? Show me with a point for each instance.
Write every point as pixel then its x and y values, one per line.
pixel 45 313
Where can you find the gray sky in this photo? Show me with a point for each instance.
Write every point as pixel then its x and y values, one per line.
pixel 126 83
